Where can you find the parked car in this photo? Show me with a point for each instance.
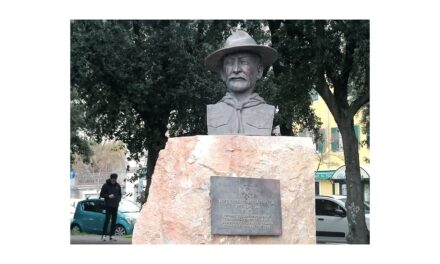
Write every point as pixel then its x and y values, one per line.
pixel 343 198
pixel 331 219
pixel 72 208
pixel 90 214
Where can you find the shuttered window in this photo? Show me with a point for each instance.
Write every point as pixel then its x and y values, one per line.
pixel 357 132
pixel 320 145
pixel 335 139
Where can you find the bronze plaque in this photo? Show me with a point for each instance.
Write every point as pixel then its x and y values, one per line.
pixel 245 206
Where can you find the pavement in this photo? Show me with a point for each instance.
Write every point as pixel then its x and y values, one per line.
pixel 96 240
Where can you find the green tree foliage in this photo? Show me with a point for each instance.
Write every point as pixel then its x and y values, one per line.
pixel 333 58
pixel 79 145
pixel 138 79
pixel 132 74
pixel 289 93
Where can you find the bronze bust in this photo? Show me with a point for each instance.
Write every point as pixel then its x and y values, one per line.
pixel 240 64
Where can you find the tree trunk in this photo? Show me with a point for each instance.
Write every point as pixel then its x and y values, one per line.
pixel 358 232
pixel 156 144
pixel 286 130
pixel 153 154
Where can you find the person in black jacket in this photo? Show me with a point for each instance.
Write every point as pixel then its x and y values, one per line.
pixel 111 192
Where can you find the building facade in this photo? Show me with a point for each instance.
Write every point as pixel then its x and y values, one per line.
pixel 330 172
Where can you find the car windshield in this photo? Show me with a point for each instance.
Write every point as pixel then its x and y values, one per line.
pixel 128 207
pixel 367 208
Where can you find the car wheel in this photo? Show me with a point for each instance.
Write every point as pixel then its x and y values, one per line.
pixel 75 228
pixel 120 231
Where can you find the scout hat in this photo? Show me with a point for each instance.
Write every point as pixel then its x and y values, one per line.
pixel 240 41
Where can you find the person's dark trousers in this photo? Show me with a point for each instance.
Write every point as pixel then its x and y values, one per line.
pixel 110 212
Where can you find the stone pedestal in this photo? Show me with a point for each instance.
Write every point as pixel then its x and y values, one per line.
pixel 178 208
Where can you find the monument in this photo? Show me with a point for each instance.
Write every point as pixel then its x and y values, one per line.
pixel 238 185
pixel 245 206
pixel 240 64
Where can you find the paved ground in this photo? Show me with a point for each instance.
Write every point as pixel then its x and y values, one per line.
pixel 96 239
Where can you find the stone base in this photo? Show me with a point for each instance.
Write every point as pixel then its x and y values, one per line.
pixel 178 207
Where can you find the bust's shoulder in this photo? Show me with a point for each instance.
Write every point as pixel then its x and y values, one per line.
pixel 220 106
pixel 218 116
pixel 258 120
pixel 260 114
pixel 219 110
pixel 265 107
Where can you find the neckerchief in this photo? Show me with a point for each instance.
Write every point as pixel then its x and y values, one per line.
pixel 253 100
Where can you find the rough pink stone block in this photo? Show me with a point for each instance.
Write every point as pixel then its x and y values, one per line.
pixel 178 208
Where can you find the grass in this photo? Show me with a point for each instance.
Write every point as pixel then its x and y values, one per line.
pixel 88 234
pixel 79 234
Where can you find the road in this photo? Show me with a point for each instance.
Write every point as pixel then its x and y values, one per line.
pixel 96 240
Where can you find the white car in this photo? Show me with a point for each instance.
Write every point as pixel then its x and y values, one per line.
pixel 129 208
pixel 331 219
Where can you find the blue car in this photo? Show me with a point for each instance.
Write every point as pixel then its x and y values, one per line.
pixel 90 214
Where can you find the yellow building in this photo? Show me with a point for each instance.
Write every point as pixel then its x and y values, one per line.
pixel 330 156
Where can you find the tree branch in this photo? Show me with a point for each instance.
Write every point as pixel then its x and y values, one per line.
pixel 333 78
pixel 357 104
pixel 324 91
pixel 341 87
pixel 274 25
pixel 348 61
pixel 330 101
pixel 322 87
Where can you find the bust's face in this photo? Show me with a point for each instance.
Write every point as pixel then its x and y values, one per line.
pixel 241 71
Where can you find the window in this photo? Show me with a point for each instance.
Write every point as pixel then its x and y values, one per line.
pixel 366 191
pixel 92 206
pixel 343 190
pixel 336 140
pixel 326 207
pixel 320 144
pixel 357 131
pixel 335 188
pixel 317 188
